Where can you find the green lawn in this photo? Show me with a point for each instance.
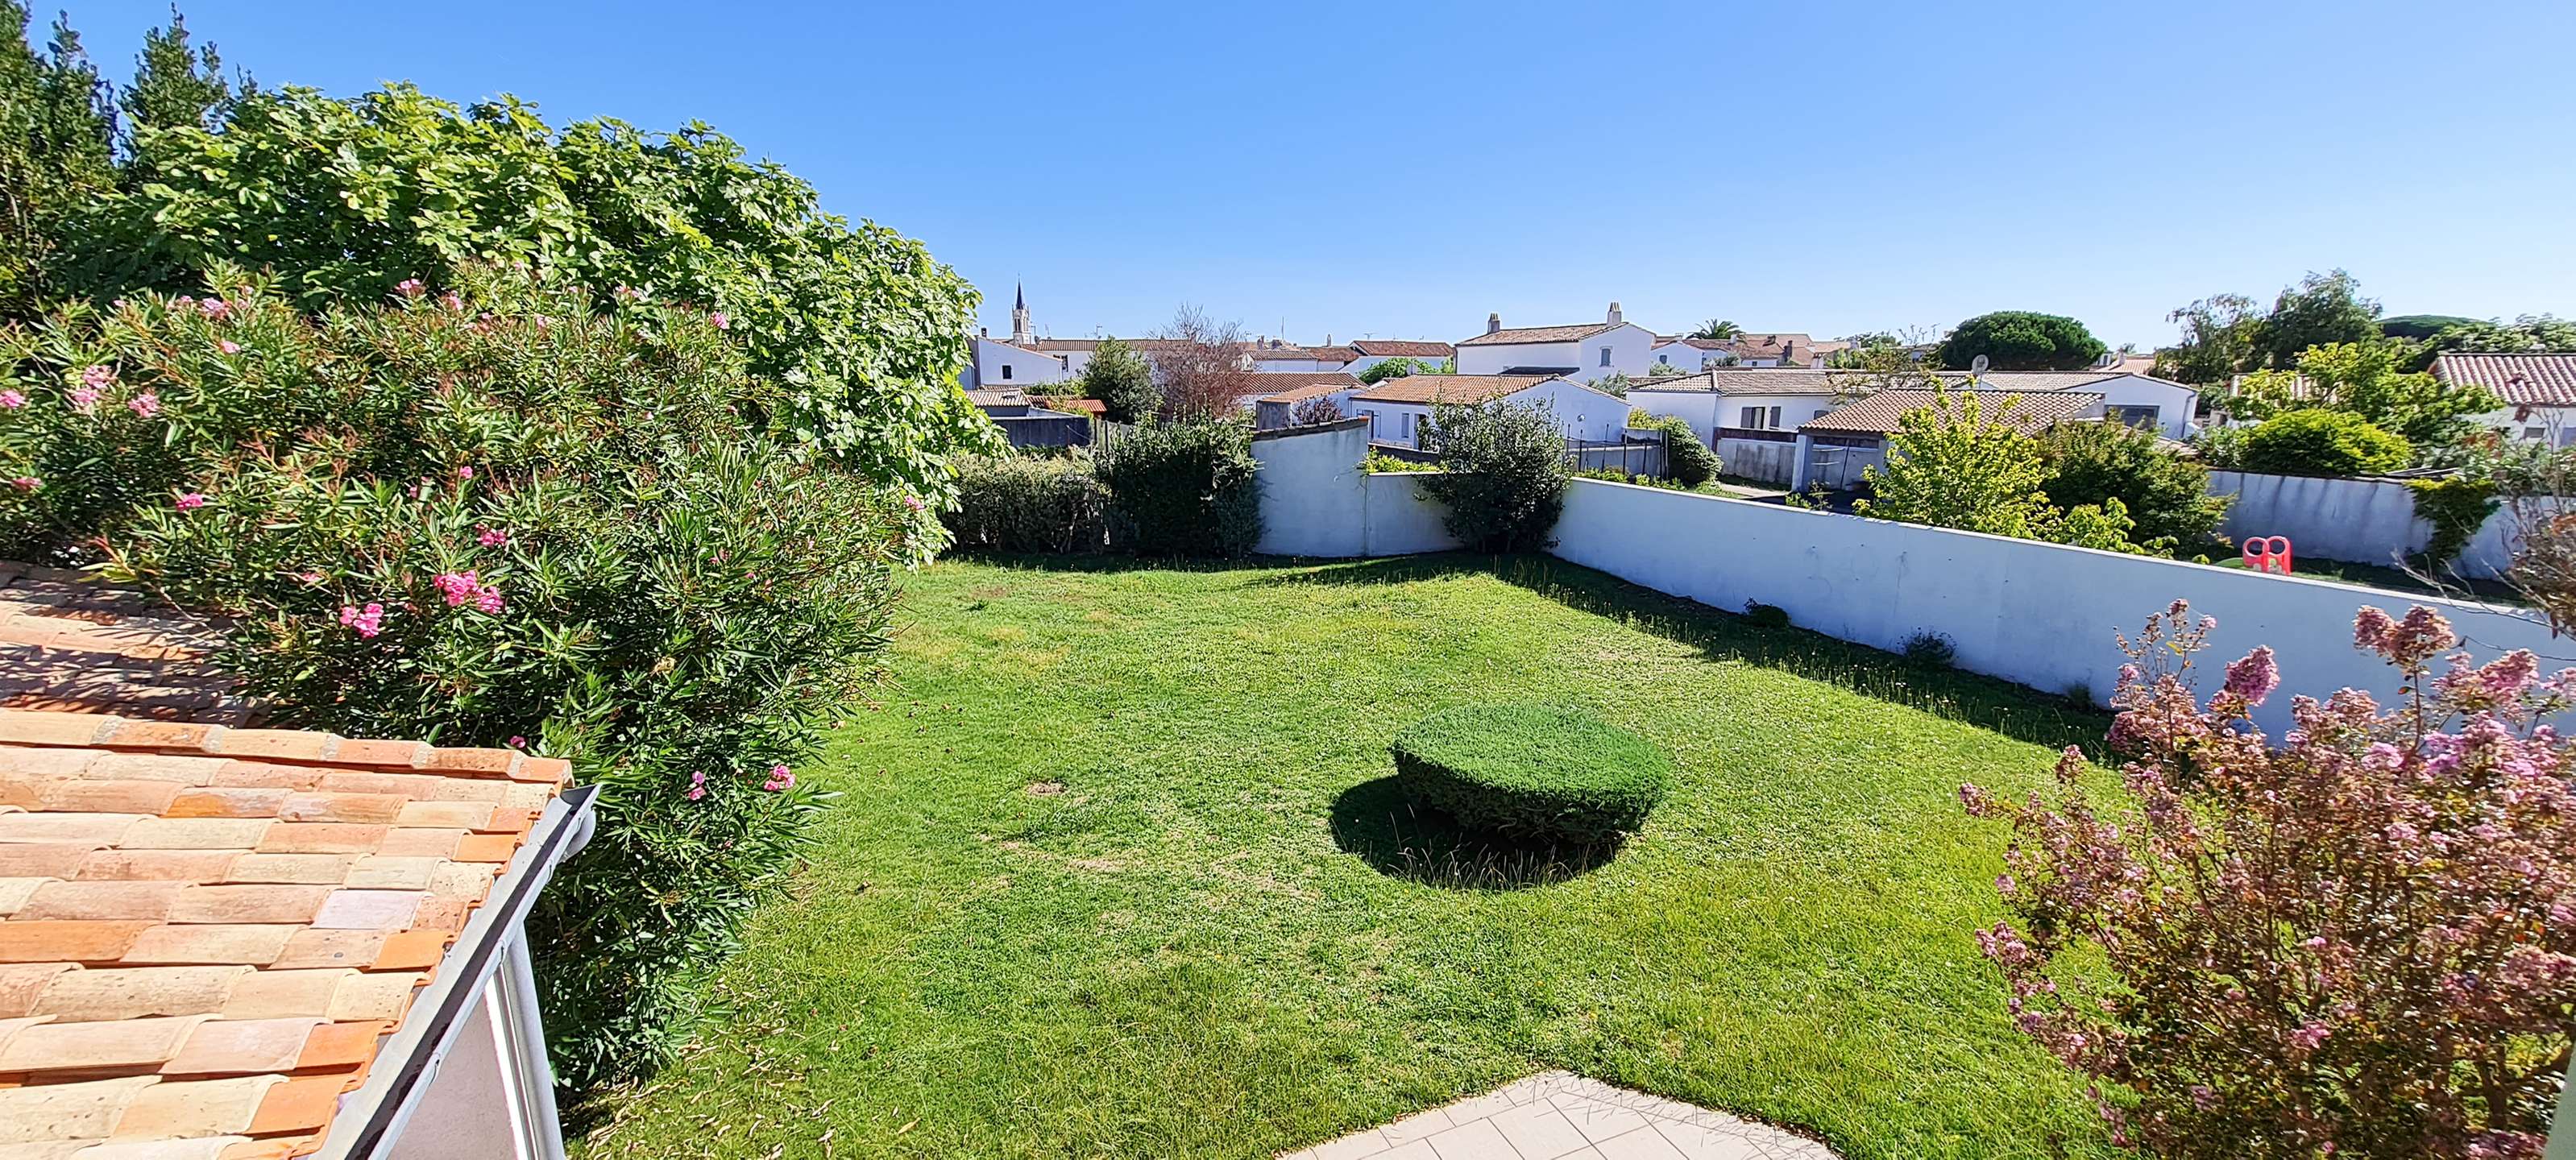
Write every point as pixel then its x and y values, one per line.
pixel 1119 872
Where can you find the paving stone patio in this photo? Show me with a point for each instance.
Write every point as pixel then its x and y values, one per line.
pixel 1559 1114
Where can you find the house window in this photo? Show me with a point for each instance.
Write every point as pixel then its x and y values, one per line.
pixel 1006 370
pixel 1605 356
pixel 1750 418
pixel 2541 433
pixel 2132 416
pixel 1408 428
pixel 1372 418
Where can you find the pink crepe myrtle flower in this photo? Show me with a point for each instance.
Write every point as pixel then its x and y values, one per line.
pixel 491 537
pixel 215 308
pixel 697 786
pixel 780 779
pixel 228 346
pixel 11 400
pixel 147 405
pixel 189 501
pixel 26 483
pixel 2254 675
pixel 722 322
pixel 410 288
pixel 367 622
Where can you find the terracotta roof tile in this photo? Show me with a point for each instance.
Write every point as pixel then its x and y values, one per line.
pixel 1528 334
pixel 2522 380
pixel 2026 410
pixel 1400 348
pixel 207 933
pixel 1448 388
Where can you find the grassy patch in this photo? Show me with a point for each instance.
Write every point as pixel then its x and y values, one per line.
pixel 1121 871
pixel 2395 579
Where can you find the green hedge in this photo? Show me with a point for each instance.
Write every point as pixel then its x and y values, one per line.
pixel 1183 489
pixel 1538 771
pixel 1020 503
pixel 1688 460
pixel 2327 443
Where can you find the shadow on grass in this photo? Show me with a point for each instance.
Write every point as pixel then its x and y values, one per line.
pixel 1377 822
pixel 2016 711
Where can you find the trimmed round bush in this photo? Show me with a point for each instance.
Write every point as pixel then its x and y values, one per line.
pixel 1549 772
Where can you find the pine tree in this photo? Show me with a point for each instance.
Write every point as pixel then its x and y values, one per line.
pixel 57 130
pixel 174 84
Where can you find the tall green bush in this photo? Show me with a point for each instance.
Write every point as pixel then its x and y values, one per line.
pixel 1025 503
pixel 482 519
pixel 2167 495
pixel 1686 459
pixel 2321 442
pixel 1502 474
pixel 1183 488
pixel 349 200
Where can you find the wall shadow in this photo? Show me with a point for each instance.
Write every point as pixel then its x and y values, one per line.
pixel 1376 822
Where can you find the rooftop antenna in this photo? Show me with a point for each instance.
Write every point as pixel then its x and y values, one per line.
pixel 1977 365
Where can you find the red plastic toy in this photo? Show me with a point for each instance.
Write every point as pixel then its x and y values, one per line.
pixel 2268 554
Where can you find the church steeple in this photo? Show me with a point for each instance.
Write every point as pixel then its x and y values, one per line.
pixel 1020 315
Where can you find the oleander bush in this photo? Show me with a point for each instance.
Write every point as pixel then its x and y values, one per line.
pixel 1025 503
pixel 1183 488
pixel 490 516
pixel 1687 460
pixel 1544 773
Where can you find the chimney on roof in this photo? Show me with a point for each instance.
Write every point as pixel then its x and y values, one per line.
pixel 1328 338
pixel 984 331
pixel 1493 322
pixel 1614 314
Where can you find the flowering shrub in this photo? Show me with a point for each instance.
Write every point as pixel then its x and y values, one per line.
pixel 2361 942
pixel 483 515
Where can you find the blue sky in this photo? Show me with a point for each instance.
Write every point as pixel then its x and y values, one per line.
pixel 1402 169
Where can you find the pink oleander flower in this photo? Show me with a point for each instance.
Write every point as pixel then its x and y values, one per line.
pixel 457 587
pixel 215 308
pixel 147 405
pixel 451 302
pixel 367 622
pixel 487 599
pixel 697 786
pixel 780 779
pixel 410 288
pixel 11 400
pixel 627 293
pixel 915 503
pixel 464 473
pixel 84 399
pixel 97 377
pixel 722 322
pixel 26 483
pixel 491 537
pixel 310 577
pixel 228 346
pixel 190 501
pixel 518 742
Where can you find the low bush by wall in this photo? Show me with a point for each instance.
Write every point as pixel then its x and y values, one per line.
pixel 2037 614
pixel 1018 503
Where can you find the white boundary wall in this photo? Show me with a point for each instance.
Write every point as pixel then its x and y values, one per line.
pixel 1316 501
pixel 2360 521
pixel 2037 614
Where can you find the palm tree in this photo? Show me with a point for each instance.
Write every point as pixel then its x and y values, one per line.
pixel 1717 328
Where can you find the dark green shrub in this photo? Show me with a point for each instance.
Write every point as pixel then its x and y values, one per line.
pixel 1502 474
pixel 502 518
pixel 1930 650
pixel 1183 489
pixel 1766 615
pixel 2456 507
pixel 1021 503
pixel 1687 460
pixel 2167 496
pixel 2329 443
pixel 1552 773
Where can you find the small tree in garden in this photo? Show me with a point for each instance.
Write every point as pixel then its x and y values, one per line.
pixel 2357 942
pixel 1394 368
pixel 2168 496
pixel 1502 474
pixel 1319 409
pixel 2321 442
pixel 1202 366
pixel 1121 380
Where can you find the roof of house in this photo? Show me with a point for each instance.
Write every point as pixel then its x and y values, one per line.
pixel 69 643
pixel 1299 386
pixel 998 397
pixel 210 935
pixel 2523 380
pixel 1448 388
pixel 1070 404
pixel 1528 334
pixel 1820 381
pixel 1769 345
pixel 2028 410
pixel 1397 348
pixel 1318 353
pixel 1699 343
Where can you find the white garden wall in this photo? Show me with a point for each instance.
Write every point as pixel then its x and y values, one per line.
pixel 1316 500
pixel 2038 614
pixel 2362 521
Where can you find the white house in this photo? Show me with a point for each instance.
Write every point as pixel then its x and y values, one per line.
pixel 1776 350
pixel 1689 356
pixel 1279 407
pixel 1581 352
pixel 1399 409
pixel 2539 392
pixel 1372 351
pixel 1015 363
pixel 1275 357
